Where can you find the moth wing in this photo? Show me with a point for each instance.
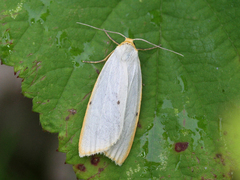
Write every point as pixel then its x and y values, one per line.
pixel 103 121
pixel 119 151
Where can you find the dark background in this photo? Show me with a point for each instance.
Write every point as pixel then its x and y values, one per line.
pixel 26 151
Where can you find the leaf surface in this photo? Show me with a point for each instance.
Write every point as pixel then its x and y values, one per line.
pixel 183 100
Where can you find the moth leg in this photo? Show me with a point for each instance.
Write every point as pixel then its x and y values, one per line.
pixel 107 55
pixel 111 38
pixel 149 48
pixel 100 60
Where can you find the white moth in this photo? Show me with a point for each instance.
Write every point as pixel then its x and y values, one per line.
pixel 113 110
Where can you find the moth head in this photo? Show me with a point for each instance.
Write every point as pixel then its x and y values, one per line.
pixel 129 41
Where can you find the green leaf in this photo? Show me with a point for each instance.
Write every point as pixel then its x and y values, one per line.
pixel 184 100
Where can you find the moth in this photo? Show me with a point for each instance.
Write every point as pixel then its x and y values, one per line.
pixel 113 110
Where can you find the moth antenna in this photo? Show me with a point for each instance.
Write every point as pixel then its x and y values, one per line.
pixel 138 39
pixel 101 29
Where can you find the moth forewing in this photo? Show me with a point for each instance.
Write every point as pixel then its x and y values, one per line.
pixel 119 151
pixel 104 119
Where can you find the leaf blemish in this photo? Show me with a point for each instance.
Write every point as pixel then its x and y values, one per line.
pixel 30 54
pixel 71 112
pixel 100 169
pixel 181 146
pixel 98 72
pixel 220 157
pixel 95 160
pixel 139 125
pixel 81 167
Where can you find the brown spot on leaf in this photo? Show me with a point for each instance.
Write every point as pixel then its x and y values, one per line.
pixel 98 173
pixel 181 146
pixel 81 167
pixel 100 169
pixel 71 112
pixel 139 125
pixel 30 54
pixel 95 160
pixel 220 157
pixel 214 175
pixel 98 72
pixel 60 138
